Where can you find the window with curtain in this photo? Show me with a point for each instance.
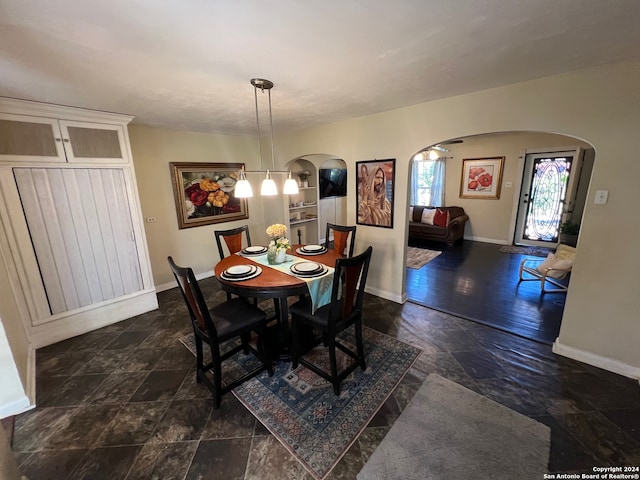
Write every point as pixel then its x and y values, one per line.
pixel 427 180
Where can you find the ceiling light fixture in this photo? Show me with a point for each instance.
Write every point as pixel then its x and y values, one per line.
pixel 433 154
pixel 268 188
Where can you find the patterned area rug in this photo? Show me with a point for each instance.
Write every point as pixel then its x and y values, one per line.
pixel 535 251
pixel 302 412
pixel 419 257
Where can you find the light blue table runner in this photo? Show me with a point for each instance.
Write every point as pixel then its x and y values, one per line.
pixel 319 287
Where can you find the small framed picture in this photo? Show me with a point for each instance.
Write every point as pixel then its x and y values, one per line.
pixel 374 192
pixel 481 178
pixel 204 193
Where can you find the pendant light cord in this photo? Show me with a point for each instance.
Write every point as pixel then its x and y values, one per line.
pixel 255 94
pixel 273 154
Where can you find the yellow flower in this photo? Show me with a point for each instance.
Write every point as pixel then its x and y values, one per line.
pixel 276 230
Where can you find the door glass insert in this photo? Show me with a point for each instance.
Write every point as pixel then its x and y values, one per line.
pixel 549 180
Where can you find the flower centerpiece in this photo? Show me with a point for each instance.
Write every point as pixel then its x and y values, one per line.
pixel 279 243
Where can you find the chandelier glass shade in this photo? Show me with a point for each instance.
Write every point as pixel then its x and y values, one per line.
pixel 243 187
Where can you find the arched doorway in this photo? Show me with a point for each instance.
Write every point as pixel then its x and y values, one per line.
pixel 476 280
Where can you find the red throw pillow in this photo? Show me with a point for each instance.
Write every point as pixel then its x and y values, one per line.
pixel 441 218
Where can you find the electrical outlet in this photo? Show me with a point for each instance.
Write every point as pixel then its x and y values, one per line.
pixel 601 197
pixel 151 219
pixel 508 184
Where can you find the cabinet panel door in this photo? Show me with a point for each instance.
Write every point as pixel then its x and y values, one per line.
pixel 28 138
pixel 90 142
pixel 82 235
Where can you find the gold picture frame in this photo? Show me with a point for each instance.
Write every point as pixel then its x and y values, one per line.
pixel 204 193
pixel 481 178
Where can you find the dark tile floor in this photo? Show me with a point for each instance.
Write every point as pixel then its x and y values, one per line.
pixel 121 402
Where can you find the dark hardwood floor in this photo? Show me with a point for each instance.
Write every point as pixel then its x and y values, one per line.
pixel 477 282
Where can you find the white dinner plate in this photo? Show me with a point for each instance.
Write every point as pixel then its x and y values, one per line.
pixel 240 279
pixel 306 267
pixel 255 249
pixel 238 270
pixel 312 248
pixel 304 252
pixel 311 275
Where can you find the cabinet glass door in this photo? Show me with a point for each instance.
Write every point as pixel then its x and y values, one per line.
pixel 23 138
pixel 86 142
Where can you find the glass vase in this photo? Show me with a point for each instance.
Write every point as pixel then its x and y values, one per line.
pixel 272 251
pixel 281 255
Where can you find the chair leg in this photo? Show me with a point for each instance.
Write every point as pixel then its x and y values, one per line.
pixel 217 382
pixel 199 357
pixel 295 344
pixel 245 337
pixel 264 350
pixel 334 366
pixel 359 344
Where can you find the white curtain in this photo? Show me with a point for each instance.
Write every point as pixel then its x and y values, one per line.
pixel 429 190
pixel 437 186
pixel 415 193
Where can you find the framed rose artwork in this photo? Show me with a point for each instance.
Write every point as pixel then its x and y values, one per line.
pixel 374 192
pixel 481 178
pixel 204 193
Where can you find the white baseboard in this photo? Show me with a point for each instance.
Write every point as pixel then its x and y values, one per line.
pixel 30 387
pixel 170 285
pixel 599 361
pixel 87 320
pixel 487 240
pixel 385 294
pixel 14 408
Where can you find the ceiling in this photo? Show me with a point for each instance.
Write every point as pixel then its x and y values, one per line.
pixel 187 64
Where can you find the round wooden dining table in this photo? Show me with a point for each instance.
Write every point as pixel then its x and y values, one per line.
pixel 273 284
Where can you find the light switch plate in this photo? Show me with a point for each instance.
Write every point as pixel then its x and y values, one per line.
pixel 601 197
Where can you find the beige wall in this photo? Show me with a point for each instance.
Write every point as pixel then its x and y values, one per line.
pixel 599 106
pixel 153 149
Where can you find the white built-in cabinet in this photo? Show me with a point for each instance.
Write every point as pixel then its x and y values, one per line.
pixel 71 231
pixel 301 210
pixel 24 138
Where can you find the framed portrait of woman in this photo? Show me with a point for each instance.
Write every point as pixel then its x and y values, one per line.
pixel 374 192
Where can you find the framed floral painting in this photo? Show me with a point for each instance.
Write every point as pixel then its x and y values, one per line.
pixel 481 177
pixel 374 192
pixel 204 193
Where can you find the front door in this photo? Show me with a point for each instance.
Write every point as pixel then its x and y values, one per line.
pixel 547 195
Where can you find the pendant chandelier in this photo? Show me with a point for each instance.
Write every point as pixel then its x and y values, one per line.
pixel 243 187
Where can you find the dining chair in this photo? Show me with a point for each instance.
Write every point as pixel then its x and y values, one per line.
pixel 344 310
pixel 342 234
pixel 232 239
pixel 232 320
